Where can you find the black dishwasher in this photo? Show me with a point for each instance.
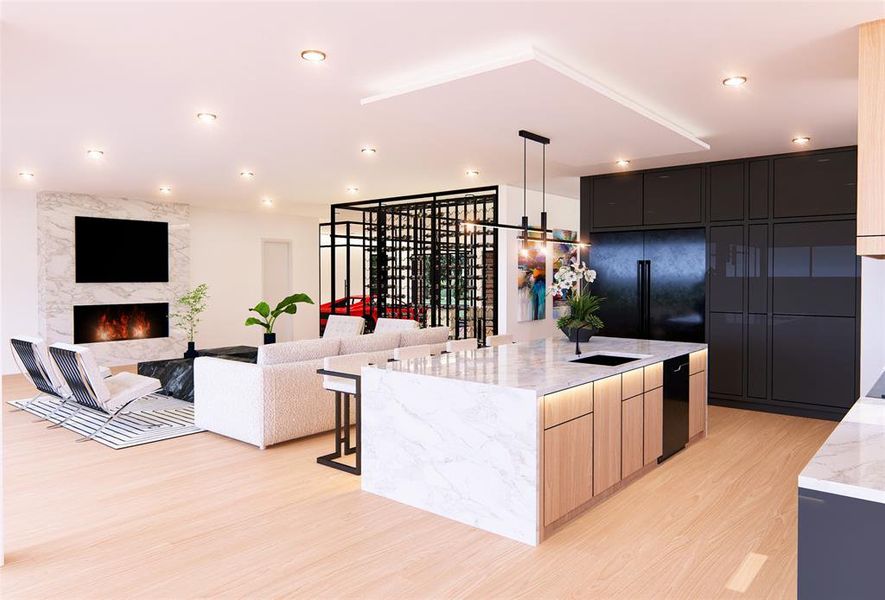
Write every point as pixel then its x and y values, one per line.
pixel 675 405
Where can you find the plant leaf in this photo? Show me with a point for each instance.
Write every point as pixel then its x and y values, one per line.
pixel 289 300
pixel 255 321
pixel 262 308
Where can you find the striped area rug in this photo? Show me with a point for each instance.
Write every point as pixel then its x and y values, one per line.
pixel 161 418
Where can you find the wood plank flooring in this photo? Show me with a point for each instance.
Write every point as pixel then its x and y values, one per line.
pixel 206 516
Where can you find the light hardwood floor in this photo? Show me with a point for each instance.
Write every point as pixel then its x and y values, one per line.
pixel 205 516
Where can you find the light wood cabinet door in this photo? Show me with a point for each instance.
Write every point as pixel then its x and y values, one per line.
pixel 631 436
pixel 632 383
pixel 568 467
pixel 606 433
pixel 697 361
pixel 563 406
pixel 697 403
pixel 871 139
pixel 653 429
pixel 654 376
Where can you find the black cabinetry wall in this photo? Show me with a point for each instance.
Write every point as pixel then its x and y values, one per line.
pixel 783 278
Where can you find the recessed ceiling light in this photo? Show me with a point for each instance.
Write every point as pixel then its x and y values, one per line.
pixel 472 173
pixel 622 162
pixel 206 117
pixel 368 150
pixel 735 81
pixel 267 201
pixel 247 174
pixel 313 55
pixel 95 154
pixel 165 189
pixel 26 175
pixel 801 140
pixel 352 189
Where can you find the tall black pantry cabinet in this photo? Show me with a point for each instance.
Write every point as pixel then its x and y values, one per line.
pixel 783 281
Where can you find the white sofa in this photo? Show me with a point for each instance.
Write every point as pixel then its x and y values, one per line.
pixel 282 397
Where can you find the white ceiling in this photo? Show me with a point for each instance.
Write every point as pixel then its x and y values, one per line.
pixel 129 78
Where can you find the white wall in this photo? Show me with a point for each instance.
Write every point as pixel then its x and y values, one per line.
pixel 872 321
pixel 226 255
pixel 18 269
pixel 562 213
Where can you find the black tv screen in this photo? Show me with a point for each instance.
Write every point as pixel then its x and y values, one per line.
pixel 120 250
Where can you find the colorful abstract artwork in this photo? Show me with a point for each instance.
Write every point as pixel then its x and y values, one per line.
pixel 562 254
pixel 531 281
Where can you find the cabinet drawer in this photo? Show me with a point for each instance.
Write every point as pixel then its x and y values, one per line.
pixel 568 467
pixel 697 403
pixel 654 376
pixel 632 383
pixel 697 361
pixel 566 405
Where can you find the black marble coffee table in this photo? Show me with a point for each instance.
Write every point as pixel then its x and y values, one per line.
pixel 177 374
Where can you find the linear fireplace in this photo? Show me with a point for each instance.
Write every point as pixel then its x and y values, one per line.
pixel 113 322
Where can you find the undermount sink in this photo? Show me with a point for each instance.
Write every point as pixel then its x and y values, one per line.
pixel 606 360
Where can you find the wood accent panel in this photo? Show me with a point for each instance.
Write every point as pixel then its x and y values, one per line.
pixel 697 403
pixel 568 404
pixel 606 433
pixel 871 138
pixel 632 383
pixel 654 376
pixel 631 436
pixel 697 361
pixel 568 467
pixel 653 425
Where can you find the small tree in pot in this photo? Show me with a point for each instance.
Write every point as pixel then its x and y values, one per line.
pixel 192 305
pixel 267 317
pixel 573 282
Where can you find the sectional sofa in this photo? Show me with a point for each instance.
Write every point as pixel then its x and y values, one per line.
pixel 281 397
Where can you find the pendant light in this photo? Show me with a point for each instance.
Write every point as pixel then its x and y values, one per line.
pixel 540 139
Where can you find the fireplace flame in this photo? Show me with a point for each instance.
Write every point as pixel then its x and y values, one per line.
pixel 123 327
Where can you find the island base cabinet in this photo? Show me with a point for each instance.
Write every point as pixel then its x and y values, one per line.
pixel 653 428
pixel 606 433
pixel 631 436
pixel 568 467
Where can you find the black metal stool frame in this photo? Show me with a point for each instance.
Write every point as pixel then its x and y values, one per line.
pixel 342 434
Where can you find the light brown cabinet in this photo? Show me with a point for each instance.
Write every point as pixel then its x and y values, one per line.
pixel 631 436
pixel 632 383
pixel 653 429
pixel 563 406
pixel 871 139
pixel 654 376
pixel 568 467
pixel 697 403
pixel 697 361
pixel 606 433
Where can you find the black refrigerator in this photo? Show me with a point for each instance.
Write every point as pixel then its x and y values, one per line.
pixel 653 283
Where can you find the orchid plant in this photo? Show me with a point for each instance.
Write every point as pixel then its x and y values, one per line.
pixel 573 281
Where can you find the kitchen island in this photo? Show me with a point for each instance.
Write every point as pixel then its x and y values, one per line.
pixel 519 439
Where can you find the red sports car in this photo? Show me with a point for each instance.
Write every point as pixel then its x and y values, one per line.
pixel 361 306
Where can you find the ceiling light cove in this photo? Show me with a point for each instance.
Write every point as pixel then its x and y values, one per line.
pixel 26 175
pixel 802 140
pixel 95 154
pixel 369 150
pixel 247 174
pixel 207 117
pixel 472 173
pixel 315 56
pixel 165 189
pixel 351 189
pixel 267 201
pixel 622 162
pixel 734 81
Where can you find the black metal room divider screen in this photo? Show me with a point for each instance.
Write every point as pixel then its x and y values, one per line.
pixel 417 259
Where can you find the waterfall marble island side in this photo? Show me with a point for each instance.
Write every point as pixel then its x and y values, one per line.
pixel 518 440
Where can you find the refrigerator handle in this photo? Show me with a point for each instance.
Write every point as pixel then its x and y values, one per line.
pixel 646 289
pixel 640 290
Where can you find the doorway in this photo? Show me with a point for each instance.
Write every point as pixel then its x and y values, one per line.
pixel 276 281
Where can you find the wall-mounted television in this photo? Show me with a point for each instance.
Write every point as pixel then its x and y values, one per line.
pixel 120 250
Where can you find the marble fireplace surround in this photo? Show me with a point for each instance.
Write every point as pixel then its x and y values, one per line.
pixel 57 291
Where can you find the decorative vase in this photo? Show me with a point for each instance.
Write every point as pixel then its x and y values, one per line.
pixel 270 338
pixel 579 335
pixel 191 351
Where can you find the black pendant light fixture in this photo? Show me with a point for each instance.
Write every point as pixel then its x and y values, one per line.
pixel 540 139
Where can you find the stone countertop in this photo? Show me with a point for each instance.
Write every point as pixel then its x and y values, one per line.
pixel 852 460
pixel 542 365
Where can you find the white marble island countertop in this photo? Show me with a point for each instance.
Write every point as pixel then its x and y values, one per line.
pixel 543 365
pixel 852 460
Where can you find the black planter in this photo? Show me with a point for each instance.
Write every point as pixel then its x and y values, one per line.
pixel 270 338
pixel 191 351
pixel 579 335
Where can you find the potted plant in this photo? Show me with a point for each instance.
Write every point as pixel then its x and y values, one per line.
pixel 573 282
pixel 267 318
pixel 192 305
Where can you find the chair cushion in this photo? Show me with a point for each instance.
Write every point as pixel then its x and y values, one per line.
pixel 386 325
pixel 373 342
pixel 297 351
pixel 430 335
pixel 351 363
pixel 91 370
pixel 125 387
pixel 343 326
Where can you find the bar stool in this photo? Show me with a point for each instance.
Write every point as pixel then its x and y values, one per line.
pixel 410 352
pixel 341 374
pixel 493 341
pixel 464 345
